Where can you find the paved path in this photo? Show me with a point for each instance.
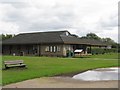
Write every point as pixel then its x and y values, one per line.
pixel 62 82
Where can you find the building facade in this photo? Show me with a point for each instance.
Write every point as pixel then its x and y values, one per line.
pixel 55 43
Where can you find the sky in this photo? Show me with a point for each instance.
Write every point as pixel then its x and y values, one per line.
pixel 77 16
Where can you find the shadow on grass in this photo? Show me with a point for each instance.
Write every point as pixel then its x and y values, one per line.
pixel 14 68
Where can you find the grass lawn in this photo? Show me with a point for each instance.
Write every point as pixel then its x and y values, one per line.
pixel 50 66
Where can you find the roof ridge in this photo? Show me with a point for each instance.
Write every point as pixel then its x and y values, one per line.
pixel 43 32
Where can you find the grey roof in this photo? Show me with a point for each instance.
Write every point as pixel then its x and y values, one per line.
pixel 49 37
pixel 38 37
pixel 73 40
pixel 94 42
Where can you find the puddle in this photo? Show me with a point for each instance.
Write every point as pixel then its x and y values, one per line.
pixel 99 74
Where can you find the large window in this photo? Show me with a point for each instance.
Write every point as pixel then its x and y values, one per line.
pixel 52 49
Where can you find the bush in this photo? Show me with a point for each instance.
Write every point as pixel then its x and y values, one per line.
pixel 102 51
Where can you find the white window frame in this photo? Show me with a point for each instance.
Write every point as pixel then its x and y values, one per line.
pixel 51 48
pixel 54 48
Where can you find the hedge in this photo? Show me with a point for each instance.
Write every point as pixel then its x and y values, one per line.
pixel 102 51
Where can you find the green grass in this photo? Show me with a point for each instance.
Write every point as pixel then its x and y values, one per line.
pixel 50 66
pixel 107 56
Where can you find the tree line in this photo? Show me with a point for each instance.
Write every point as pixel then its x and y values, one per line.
pixel 94 36
pixel 6 36
pixel 106 40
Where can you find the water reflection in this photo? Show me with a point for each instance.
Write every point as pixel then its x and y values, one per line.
pixel 99 74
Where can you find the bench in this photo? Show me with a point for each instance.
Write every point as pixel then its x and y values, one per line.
pixel 14 63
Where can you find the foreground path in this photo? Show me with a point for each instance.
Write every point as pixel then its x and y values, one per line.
pixel 62 82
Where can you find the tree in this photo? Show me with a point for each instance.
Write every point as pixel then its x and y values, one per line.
pixel 119 47
pixel 6 36
pixel 108 40
pixel 91 36
pixel 105 40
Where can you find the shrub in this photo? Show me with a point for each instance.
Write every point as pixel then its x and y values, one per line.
pixel 102 51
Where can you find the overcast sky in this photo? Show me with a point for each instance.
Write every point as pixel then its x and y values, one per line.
pixel 77 16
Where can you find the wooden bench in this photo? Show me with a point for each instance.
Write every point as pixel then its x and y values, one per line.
pixel 14 63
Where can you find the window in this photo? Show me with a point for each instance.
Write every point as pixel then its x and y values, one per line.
pixel 67 33
pixel 58 48
pixel 52 48
pixel 47 49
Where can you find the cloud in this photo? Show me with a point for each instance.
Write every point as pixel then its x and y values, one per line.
pixel 110 33
pixel 8 27
pixel 77 16
pixel 109 22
